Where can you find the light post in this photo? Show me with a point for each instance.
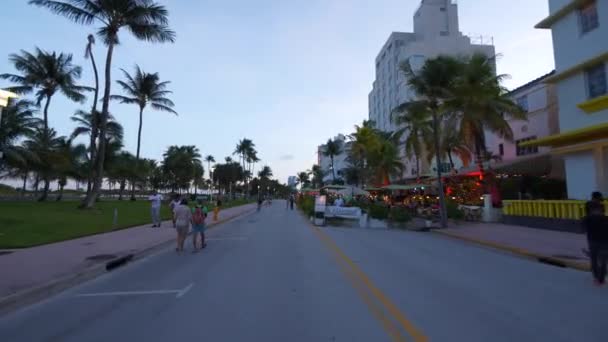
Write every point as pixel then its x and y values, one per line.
pixel 4 96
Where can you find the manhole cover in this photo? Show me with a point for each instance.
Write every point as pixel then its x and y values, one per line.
pixel 5 252
pixel 101 257
pixel 568 257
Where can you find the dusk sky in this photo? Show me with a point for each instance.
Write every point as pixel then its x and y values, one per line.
pixel 286 74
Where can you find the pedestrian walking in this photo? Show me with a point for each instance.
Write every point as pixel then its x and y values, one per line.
pixel 155 204
pixel 292 199
pixel 182 216
pixel 198 226
pixel 595 224
pixel 216 210
pixel 260 201
pixel 174 204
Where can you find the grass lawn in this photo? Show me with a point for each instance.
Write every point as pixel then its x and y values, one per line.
pixel 26 224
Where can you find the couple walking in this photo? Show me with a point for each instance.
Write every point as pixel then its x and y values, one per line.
pixel 183 218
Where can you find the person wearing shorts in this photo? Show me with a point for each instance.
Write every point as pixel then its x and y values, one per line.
pixel 183 217
pixel 198 226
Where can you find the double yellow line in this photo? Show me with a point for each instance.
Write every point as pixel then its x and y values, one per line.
pixel 392 319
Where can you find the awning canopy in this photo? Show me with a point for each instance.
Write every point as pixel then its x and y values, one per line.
pixel 572 137
pixel 404 187
pixel 334 187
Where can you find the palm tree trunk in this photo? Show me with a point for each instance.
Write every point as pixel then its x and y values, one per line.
pixel 442 204
pixel 60 196
pixel 46 113
pixel 123 185
pixel 333 171
pixel 103 123
pixel 141 121
pixel 94 123
pixel 450 158
pixel 45 190
pixel 24 184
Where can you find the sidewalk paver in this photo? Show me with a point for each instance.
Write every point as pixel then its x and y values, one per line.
pixel 564 247
pixel 32 267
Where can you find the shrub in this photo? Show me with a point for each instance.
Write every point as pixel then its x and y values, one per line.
pixel 453 211
pixel 400 214
pixel 378 211
pixel 307 205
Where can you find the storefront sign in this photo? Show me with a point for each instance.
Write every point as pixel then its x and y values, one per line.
pixel 343 212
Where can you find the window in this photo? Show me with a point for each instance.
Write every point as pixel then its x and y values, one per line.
pixel 596 81
pixel 523 151
pixel 442 9
pixel 445 167
pixel 444 33
pixel 501 149
pixel 522 102
pixel 588 17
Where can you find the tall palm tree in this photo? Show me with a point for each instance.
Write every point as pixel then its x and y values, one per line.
pixel 451 143
pixel 303 179
pixel 143 89
pixel 414 118
pixel 265 172
pixel 386 162
pixel 209 159
pixel 480 101
pixel 46 73
pixel 332 149
pixel 94 130
pixel 145 19
pixel 363 141
pixel 85 125
pixel 433 84
pixel 317 176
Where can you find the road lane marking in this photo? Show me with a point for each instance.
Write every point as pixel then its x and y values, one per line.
pixel 177 293
pixel 185 290
pixel 360 279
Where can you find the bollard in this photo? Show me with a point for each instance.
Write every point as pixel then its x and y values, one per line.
pixel 115 222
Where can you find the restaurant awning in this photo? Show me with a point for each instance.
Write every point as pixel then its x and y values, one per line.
pixel 404 187
pixel 572 137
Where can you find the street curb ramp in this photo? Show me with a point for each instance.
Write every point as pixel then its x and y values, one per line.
pixel 518 251
pixel 41 292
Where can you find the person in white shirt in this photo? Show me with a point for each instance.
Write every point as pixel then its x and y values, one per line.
pixel 155 204
pixel 176 201
pixel 339 202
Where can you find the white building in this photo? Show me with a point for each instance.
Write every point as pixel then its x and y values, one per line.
pixel 580 31
pixel 436 32
pixel 340 161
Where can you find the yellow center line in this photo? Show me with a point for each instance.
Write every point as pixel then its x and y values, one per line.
pixel 364 284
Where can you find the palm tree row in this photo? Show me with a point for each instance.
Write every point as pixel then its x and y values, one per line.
pixel 47 73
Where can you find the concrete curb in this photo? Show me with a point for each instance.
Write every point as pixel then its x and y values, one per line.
pixel 41 292
pixel 519 251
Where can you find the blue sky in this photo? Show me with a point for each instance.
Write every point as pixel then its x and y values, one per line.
pixel 287 74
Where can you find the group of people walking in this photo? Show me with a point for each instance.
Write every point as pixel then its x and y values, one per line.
pixel 184 217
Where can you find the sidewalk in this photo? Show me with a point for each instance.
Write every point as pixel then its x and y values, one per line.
pixel 560 248
pixel 37 268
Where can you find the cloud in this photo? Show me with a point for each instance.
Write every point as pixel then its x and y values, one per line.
pixel 286 157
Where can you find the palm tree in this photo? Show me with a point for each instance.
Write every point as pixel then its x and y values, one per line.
pixel 451 143
pixel 415 120
pixel 317 176
pixel 480 100
pixel 265 172
pixel 303 179
pixel 209 159
pixel 46 74
pixel 94 130
pixel 85 122
pixel 432 85
pixel 144 89
pixel 363 141
pixel 145 19
pixel 70 157
pixel 17 122
pixel 386 162
pixel 332 149
pixel 44 143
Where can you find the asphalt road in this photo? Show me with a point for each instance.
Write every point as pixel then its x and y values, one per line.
pixel 271 276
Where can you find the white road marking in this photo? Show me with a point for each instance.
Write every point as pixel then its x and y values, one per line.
pixel 184 291
pixel 177 293
pixel 228 239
